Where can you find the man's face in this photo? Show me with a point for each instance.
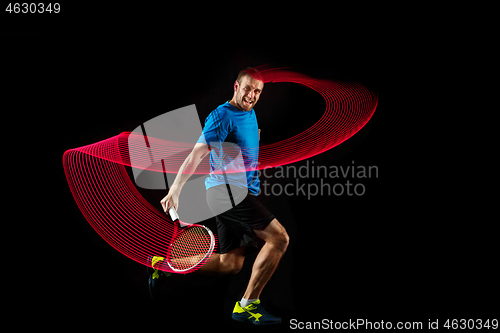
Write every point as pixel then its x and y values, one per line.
pixel 247 93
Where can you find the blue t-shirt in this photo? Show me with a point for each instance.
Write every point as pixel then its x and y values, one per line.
pixel 228 131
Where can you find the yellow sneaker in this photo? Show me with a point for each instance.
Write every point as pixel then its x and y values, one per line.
pixel 254 313
pixel 156 277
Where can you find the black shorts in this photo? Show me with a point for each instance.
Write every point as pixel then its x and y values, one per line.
pixel 235 226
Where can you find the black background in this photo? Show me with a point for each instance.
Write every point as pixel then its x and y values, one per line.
pixel 408 249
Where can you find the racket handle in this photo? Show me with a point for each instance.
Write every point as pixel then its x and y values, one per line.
pixel 173 214
pixel 175 217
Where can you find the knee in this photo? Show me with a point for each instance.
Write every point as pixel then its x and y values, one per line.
pixel 281 240
pixel 286 239
pixel 232 265
pixel 235 267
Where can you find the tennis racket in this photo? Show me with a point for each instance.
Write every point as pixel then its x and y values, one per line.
pixel 192 245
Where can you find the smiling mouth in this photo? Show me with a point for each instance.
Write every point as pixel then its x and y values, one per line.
pixel 247 101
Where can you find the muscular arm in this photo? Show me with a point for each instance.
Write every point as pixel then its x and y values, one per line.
pixel 187 168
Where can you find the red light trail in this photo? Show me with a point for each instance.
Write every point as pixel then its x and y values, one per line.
pixel 129 223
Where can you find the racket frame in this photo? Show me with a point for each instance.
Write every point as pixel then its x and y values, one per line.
pixel 184 228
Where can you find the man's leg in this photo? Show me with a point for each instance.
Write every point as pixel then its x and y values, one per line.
pixel 268 258
pixel 226 263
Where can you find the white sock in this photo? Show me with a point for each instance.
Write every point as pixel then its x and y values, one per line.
pixel 244 302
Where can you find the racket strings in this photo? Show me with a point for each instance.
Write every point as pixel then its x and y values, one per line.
pixel 191 247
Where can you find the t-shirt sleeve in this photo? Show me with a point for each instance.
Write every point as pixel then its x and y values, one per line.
pixel 216 129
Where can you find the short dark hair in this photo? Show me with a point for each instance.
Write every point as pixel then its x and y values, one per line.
pixel 249 71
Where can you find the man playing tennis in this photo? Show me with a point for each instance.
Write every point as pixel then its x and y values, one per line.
pixel 235 122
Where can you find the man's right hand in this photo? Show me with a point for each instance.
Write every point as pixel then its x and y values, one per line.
pixel 170 200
